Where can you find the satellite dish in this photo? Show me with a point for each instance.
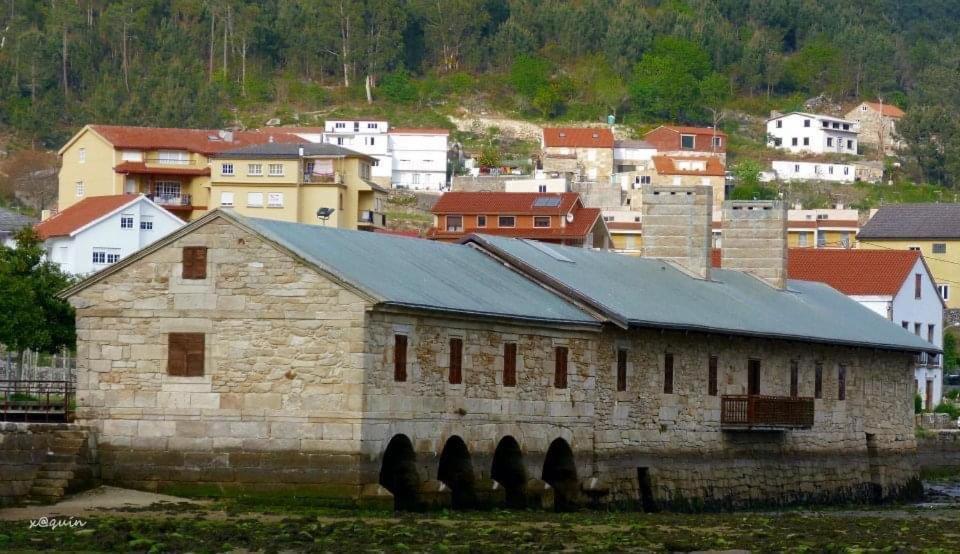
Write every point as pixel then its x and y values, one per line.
pixel 570 217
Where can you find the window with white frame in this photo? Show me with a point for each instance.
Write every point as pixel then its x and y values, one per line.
pixel 944 291
pixel 82 155
pixel 275 170
pixel 254 199
pixel 131 156
pixel 371 126
pixel 173 157
pixel 146 223
pixel 79 189
pixel 168 190
pixel 415 179
pixel 105 256
pixel 255 170
pixel 275 200
pixel 340 125
pixel 226 169
pixel 645 179
pixel 126 221
pixel 687 142
pixel 717 142
pixel 226 198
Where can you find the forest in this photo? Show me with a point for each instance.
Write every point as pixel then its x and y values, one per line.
pixel 212 63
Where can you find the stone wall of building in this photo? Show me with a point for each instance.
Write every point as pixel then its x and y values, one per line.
pixel 755 239
pixel 676 224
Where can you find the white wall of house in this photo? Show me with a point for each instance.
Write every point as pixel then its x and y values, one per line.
pixel 419 160
pixel 812 133
pixel 366 137
pixel 787 170
pixel 627 156
pixel 927 311
pixel 112 237
pixel 535 185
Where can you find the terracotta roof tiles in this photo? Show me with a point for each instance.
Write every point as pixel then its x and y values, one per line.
pixel 514 203
pixel 203 141
pixel 81 214
pixel 577 137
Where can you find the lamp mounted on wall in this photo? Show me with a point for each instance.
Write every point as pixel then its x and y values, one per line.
pixel 323 214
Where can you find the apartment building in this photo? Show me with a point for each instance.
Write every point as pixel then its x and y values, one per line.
pixel 419 158
pixel 800 132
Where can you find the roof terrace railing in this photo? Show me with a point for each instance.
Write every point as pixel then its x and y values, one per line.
pixel 766 412
pixel 37 401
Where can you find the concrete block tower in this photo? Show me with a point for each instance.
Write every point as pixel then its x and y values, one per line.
pixel 755 239
pixel 676 226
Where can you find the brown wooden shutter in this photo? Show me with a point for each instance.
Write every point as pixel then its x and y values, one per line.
pixel 621 370
pixel 510 364
pixel 456 361
pixel 195 262
pixel 668 374
pixel 560 369
pixel 712 376
pixel 185 354
pixel 400 358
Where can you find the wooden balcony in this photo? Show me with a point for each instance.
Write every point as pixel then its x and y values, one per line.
pixel 765 413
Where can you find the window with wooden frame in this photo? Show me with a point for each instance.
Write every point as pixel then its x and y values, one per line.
pixel 668 374
pixel 712 364
pixel 841 382
pixel 510 364
pixel 621 369
pixel 400 358
pixel 560 367
pixel 818 380
pixel 794 379
pixel 456 361
pixel 194 262
pixel 185 354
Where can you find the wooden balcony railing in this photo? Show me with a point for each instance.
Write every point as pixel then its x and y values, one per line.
pixel 765 412
pixel 36 401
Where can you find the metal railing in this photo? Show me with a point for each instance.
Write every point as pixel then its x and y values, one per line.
pixel 170 199
pixel 153 160
pixel 770 412
pixel 322 178
pixel 37 401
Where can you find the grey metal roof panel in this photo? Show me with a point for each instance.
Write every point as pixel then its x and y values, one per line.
pixel 12 222
pixel 913 221
pixel 418 273
pixel 289 150
pixel 649 292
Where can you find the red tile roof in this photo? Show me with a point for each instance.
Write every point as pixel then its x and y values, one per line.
pixel 80 214
pixel 419 131
pixel 667 165
pixel 850 271
pixel 512 203
pixel 888 110
pixel 692 130
pixel 203 141
pixel 577 137
pixel 583 222
pixel 141 168
pixel 624 225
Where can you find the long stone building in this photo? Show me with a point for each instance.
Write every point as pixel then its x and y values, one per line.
pixel 240 353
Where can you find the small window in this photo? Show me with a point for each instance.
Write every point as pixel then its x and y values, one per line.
pixel 126 221
pixel 930 330
pixel 846 170
pixel 849 145
pixel 841 382
pixel 939 248
pixel 753 377
pixel 105 256
pixel 687 142
pixel 917 285
pixel 226 169
pixel 793 141
pixel 400 358
pixel 560 367
pixel 905 324
pixel 668 373
pixel 79 189
pixel 541 221
pixel 914 248
pixel 712 375
pixel 541 188
pixel 226 199
pixel 481 221
pixel 194 262
pixel 779 124
pixel 185 354
pixel 818 380
pixel 794 378
pixel 255 170
pixel 82 155
pixel 456 361
pixel 829 141
pixel 846 126
pixel 454 223
pixel 506 221
pixel 621 369
pixel 275 200
pixel 796 168
pixel 510 364
pixel 254 199
pixel 275 170
pixel 717 142
pixel 806 122
pixel 806 141
pixel 944 291
pixel 916 328
pixel 645 180
pixel 146 223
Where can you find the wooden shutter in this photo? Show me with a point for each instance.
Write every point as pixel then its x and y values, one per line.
pixel 400 358
pixel 794 379
pixel 510 364
pixel 456 361
pixel 195 262
pixel 560 369
pixel 668 374
pixel 185 354
pixel 712 376
pixel 621 370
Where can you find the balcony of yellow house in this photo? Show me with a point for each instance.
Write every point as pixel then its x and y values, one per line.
pixel 177 181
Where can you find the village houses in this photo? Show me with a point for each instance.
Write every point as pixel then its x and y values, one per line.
pixel 800 132
pixel 580 153
pixel 878 125
pixel 688 141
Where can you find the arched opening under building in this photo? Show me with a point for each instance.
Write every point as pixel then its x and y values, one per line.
pixel 456 472
pixel 398 473
pixel 560 472
pixel 509 471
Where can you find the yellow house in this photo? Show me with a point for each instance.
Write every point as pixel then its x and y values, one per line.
pixel 170 166
pixel 932 229
pixel 321 184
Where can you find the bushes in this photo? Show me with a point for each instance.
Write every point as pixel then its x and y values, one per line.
pixel 917 403
pixel 948 408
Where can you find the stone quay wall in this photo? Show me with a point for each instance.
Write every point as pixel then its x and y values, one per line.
pixel 27 448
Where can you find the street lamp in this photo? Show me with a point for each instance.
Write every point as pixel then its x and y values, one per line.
pixel 323 214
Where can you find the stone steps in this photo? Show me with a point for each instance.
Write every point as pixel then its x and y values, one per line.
pixel 59 468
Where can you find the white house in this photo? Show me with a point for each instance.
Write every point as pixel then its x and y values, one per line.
pixel 419 158
pixel 787 170
pixel 553 185
pixel 101 230
pixel 366 137
pixel 812 133
pixel 897 285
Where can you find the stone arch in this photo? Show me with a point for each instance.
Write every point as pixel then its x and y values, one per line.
pixel 398 473
pixel 560 472
pixel 509 471
pixel 456 472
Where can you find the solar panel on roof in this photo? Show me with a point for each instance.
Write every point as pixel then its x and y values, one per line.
pixel 546 202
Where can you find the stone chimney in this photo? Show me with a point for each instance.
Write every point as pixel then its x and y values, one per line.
pixel 676 226
pixel 755 239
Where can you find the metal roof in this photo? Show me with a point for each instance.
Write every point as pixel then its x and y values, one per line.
pixel 12 222
pixel 288 150
pixel 652 293
pixel 417 273
pixel 913 221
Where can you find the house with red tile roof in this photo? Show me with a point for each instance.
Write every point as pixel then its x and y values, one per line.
pixel 878 125
pixel 101 230
pixel 582 153
pixel 558 218
pixel 169 165
pixel 680 139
